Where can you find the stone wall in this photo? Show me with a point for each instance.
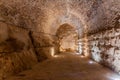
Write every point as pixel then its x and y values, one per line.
pixel 43 43
pixel 16 50
pixel 20 49
pixel 104 47
pixel 68 43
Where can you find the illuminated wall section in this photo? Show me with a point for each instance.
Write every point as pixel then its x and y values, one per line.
pixel 105 48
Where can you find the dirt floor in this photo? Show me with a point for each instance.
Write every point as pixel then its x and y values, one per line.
pixel 67 66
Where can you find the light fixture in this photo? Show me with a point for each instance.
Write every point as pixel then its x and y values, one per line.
pixel 91 62
pixel 52 51
pixel 112 76
pixel 82 56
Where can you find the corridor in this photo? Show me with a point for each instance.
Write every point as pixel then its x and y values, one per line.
pixel 59 39
pixel 67 66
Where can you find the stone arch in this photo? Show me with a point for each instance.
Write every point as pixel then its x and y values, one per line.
pixel 67 37
pixel 73 20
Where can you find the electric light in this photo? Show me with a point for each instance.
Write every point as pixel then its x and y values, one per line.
pixel 56 56
pixel 52 51
pixel 80 48
pixel 82 56
pixel 96 57
pixel 86 46
pixel 116 79
pixel 91 62
pixel 112 76
pixel 77 53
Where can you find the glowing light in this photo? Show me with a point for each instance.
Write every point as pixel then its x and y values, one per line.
pixel 56 56
pixel 82 56
pixel 52 51
pixel 112 76
pixel 91 62
pixel 80 48
pixel 86 46
pixel 116 79
pixel 62 50
pixel 78 53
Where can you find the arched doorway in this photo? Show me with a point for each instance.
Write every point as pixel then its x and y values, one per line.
pixel 68 37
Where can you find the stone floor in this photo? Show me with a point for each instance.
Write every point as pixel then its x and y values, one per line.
pixel 67 67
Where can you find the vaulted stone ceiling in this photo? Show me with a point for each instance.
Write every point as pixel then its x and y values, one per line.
pixel 42 19
pixel 47 15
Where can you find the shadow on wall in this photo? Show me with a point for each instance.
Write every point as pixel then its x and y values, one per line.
pixel 21 49
pixel 45 45
pixel 16 51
